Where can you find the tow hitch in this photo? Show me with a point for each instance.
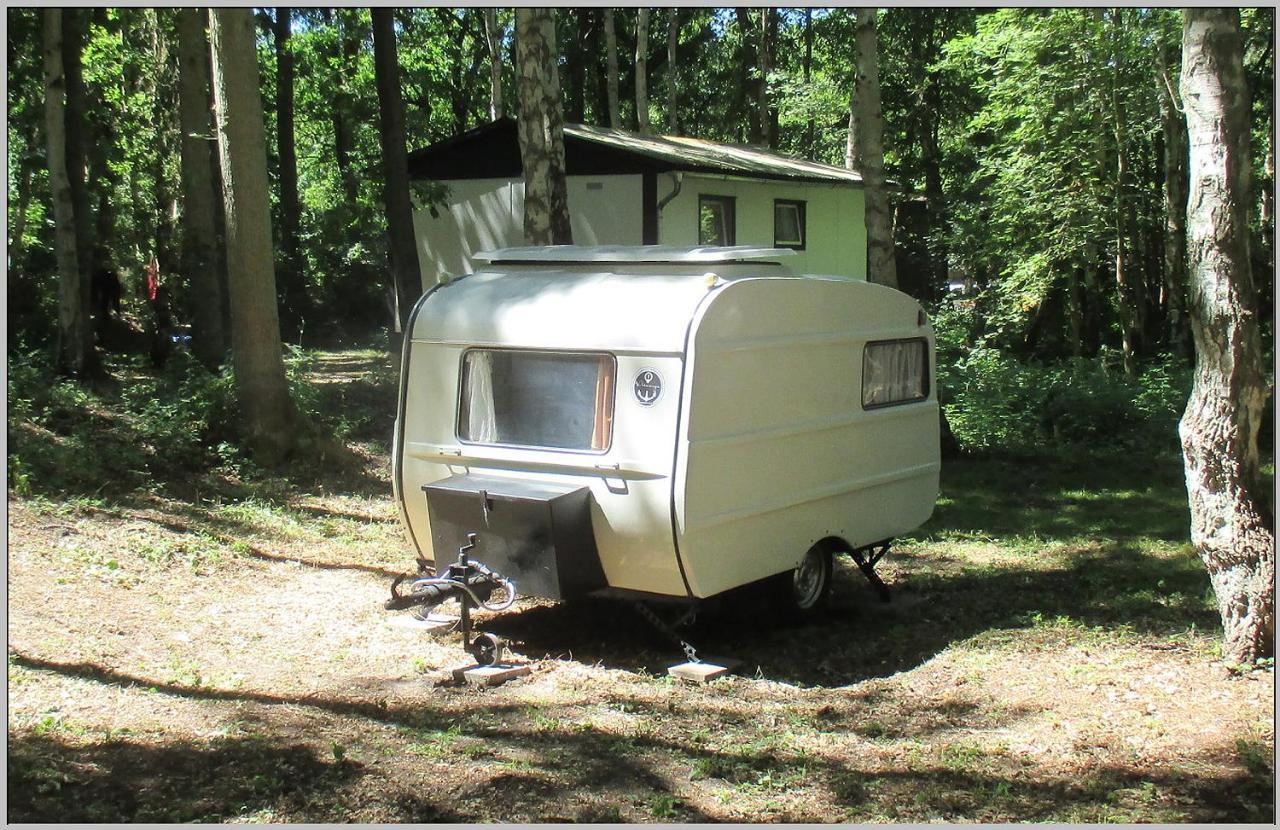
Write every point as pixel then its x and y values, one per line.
pixel 472 584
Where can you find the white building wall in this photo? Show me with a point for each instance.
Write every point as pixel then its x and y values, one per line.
pixel 836 237
pixel 483 214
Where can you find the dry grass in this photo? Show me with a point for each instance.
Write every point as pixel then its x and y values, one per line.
pixel 1049 655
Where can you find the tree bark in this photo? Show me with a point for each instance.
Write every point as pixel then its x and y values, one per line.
pixel 870 161
pixel 541 130
pixel 751 82
pixel 1231 524
pixel 343 136
pixel 1174 132
pixel 73 321
pixel 395 167
pixel 768 115
pixel 673 44
pixel 271 422
pixel 810 126
pixel 1128 284
pixel 208 340
pixel 642 71
pixel 294 294
pixel 77 132
pixel 611 69
pixel 493 39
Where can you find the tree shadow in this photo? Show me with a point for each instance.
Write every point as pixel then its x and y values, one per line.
pixel 1119 589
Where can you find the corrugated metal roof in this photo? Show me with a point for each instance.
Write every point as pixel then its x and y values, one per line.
pixel 683 152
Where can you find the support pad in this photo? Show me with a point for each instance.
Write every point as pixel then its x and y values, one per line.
pixel 704 671
pixel 432 623
pixel 495 675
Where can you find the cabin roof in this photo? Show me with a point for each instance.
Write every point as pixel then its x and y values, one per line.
pixel 492 151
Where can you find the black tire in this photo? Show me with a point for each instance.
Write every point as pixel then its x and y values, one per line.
pixel 803 594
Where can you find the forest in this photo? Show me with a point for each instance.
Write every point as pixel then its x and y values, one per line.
pixel 209 269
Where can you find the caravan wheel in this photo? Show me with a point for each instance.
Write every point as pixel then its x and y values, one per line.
pixel 803 592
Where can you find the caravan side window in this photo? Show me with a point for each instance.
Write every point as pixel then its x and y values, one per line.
pixel 894 372
pixel 716 220
pixel 552 400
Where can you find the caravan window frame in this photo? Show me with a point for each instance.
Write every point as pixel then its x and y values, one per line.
pixel 462 381
pixel 926 382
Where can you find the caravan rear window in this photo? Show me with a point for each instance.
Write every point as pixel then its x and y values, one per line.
pixel 894 372
pixel 553 400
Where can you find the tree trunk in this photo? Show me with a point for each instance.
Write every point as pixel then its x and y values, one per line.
pixel 493 39
pixel 1174 132
pixel 576 68
pixel 343 137
pixel 1231 524
pixel 541 130
pixel 750 80
pixel 73 322
pixel 810 126
pixel 77 131
pixel 768 114
pixel 208 338
pixel 870 163
pixel 611 69
pixel 395 167
pixel 673 44
pixel 27 170
pixel 642 71
pixel 293 297
pixel 271 422
pixel 1128 284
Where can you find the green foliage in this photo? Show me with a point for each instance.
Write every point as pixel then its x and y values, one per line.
pixel 996 401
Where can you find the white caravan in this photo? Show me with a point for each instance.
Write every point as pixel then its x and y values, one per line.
pixel 664 421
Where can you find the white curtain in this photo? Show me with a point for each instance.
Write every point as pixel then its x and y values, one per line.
pixel 482 421
pixel 893 372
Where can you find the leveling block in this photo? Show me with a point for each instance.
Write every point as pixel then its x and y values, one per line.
pixel 704 671
pixel 494 675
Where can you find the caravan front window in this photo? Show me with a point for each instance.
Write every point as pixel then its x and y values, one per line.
pixel 554 400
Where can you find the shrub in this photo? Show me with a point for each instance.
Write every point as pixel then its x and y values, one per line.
pixel 997 402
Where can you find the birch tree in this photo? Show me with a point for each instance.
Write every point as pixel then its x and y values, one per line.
pixel 541 130
pixel 1231 525
pixel 493 39
pixel 270 420
pixel 74 337
pixel 199 263
pixel 869 153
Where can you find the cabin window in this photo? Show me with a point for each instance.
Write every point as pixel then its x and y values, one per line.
pixel 894 372
pixel 788 224
pixel 716 221
pixel 554 400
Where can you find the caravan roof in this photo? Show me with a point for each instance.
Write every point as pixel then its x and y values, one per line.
pixel 633 253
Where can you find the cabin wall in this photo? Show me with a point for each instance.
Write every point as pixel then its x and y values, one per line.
pixel 483 214
pixel 836 240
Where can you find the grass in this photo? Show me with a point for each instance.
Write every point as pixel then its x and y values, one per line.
pixel 207 644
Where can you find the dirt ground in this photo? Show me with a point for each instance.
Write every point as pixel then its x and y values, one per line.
pixel 1049 655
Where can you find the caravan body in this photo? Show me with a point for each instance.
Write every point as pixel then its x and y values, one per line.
pixel 661 421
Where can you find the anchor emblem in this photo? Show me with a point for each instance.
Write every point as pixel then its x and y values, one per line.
pixel 647 387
